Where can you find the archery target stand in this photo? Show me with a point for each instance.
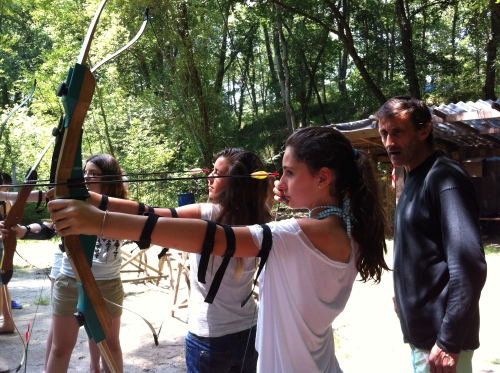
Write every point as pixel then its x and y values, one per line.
pixel 182 271
pixel 137 260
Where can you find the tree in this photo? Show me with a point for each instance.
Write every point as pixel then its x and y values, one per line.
pixel 491 51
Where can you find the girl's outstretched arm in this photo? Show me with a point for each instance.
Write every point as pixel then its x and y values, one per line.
pixel 126 206
pixel 12 196
pixel 78 217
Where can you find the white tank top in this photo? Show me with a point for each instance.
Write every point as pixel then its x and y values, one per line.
pixel 225 315
pixel 301 292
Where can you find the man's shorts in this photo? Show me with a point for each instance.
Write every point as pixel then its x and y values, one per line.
pixel 420 361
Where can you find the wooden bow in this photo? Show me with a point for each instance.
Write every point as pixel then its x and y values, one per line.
pixel 76 95
pixel 14 217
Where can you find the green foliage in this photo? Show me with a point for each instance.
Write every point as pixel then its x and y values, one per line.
pixel 42 301
pixel 492 250
pixel 206 75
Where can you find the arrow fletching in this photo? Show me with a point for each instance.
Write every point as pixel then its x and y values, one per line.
pixel 198 170
pixel 263 174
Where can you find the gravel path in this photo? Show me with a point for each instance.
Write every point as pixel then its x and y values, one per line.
pixel 368 337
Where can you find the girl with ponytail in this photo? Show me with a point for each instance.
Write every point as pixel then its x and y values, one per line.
pixel 310 263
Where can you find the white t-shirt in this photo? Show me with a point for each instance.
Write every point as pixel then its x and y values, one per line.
pixel 225 315
pixel 301 292
pixel 106 261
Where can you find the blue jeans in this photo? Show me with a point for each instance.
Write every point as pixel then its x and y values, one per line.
pixel 221 354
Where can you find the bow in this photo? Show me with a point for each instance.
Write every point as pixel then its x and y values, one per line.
pixel 14 217
pixel 17 108
pixel 76 95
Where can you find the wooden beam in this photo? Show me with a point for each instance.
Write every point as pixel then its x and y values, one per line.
pixel 352 135
pixel 467 115
pixel 466 127
pixel 490 131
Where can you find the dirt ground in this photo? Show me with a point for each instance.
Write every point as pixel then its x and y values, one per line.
pixel 367 333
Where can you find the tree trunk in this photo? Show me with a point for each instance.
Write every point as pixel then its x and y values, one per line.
pixel 111 150
pixel 345 35
pixel 311 73
pixel 221 68
pixel 491 51
pixel 454 30
pixel 343 58
pixel 281 57
pixel 407 49
pixel 5 94
pixel 195 85
pixel 253 91
pixel 275 85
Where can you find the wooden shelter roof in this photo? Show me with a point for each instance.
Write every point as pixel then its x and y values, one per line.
pixel 462 125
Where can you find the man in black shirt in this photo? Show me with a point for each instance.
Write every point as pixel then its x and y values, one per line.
pixel 439 263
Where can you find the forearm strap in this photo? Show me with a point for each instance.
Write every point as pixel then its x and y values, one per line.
pixel 208 246
pixel 145 239
pixel 45 233
pixel 104 203
pixel 142 209
pixel 219 275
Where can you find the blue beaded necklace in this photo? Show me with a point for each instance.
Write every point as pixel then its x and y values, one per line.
pixel 334 210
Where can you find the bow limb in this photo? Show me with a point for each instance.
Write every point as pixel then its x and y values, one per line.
pixel 9 248
pixel 76 95
pixel 17 108
pixel 155 335
pixel 13 218
pixel 16 213
pixel 126 46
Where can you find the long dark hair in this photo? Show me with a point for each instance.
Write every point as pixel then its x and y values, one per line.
pixel 319 147
pixel 243 199
pixel 111 170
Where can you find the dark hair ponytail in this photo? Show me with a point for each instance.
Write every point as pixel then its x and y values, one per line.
pixel 369 221
pixel 319 147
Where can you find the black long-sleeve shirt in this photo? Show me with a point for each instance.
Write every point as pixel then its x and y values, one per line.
pixel 439 263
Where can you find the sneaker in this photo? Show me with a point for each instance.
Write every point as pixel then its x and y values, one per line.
pixel 16 306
